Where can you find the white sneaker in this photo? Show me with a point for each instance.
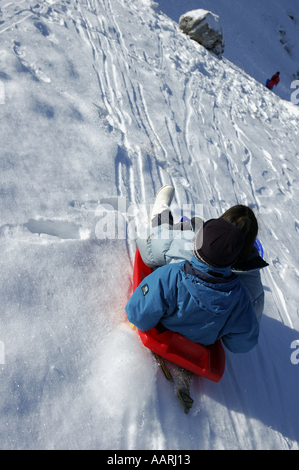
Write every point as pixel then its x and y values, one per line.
pixel 163 200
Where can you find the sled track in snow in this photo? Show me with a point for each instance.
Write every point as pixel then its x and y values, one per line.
pixel 115 88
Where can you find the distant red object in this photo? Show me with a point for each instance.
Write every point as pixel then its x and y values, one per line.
pixel 205 361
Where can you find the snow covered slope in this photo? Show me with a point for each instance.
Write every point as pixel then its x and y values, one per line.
pixel 104 101
pixel 260 37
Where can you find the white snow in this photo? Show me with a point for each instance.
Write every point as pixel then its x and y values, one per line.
pixel 212 20
pixel 102 102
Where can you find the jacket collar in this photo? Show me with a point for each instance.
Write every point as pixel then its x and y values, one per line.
pixel 218 273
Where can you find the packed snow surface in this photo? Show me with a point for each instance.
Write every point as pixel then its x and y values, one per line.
pixel 101 103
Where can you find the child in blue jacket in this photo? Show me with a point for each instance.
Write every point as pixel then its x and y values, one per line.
pixel 167 243
pixel 202 299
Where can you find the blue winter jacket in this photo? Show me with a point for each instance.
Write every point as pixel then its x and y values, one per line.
pixel 163 245
pixel 187 299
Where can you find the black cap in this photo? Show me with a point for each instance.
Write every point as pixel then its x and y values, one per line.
pixel 218 243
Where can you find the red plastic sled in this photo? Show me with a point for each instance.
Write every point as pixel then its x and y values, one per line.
pixel 205 361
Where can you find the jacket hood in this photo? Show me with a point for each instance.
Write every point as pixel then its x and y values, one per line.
pixel 216 295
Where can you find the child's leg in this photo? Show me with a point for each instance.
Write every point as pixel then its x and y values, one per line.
pixel 164 218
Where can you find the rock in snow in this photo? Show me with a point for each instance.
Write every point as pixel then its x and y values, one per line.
pixel 204 27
